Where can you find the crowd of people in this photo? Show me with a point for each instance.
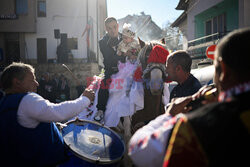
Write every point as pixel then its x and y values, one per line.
pixel 54 88
pixel 215 134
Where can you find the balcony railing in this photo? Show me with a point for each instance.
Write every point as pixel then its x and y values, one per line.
pixel 197 47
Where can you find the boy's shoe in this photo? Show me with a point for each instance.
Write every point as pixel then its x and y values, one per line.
pixel 99 116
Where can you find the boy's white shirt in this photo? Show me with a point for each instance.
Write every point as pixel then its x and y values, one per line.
pixel 34 109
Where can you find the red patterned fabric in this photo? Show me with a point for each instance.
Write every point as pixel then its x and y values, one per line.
pixel 185 146
pixel 138 74
pixel 158 55
pixel 234 91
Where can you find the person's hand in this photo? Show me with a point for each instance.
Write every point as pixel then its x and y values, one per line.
pixel 119 53
pixel 178 105
pixel 113 41
pixel 128 53
pixel 89 94
pixel 209 91
pixel 60 125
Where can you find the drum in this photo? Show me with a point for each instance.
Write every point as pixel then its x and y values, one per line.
pixel 93 144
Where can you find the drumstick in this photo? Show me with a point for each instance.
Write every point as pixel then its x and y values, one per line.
pixel 66 67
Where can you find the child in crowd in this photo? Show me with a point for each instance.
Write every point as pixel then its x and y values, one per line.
pixel 128 46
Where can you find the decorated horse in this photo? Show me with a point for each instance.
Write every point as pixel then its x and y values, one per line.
pixel 152 73
pixel 148 92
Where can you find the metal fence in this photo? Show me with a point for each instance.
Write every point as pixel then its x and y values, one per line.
pixel 197 47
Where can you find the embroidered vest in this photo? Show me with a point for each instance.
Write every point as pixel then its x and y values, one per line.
pixel 20 146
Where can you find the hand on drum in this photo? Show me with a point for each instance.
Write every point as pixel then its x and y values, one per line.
pixel 205 95
pixel 209 94
pixel 60 125
pixel 179 105
pixel 89 94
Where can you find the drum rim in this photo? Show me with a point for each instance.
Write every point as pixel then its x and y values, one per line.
pixel 103 161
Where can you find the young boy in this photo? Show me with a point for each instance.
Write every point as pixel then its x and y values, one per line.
pixel 128 46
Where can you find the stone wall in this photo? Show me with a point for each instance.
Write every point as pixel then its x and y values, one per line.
pixel 80 70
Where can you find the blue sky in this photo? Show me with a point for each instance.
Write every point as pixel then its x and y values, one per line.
pixel 161 11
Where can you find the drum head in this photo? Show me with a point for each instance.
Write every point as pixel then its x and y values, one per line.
pixel 93 142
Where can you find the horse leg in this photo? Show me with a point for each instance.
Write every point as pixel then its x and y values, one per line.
pixel 127 162
pixel 120 127
pixel 127 129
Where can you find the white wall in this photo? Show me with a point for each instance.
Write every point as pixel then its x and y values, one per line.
pixel 30 41
pixel 69 16
pixel 102 14
pixel 183 29
pixel 196 7
pixel 244 13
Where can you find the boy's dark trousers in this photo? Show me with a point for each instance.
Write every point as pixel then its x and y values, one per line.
pixel 103 94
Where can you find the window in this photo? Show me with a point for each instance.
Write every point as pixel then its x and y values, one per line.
pixel 216 24
pixel 21 7
pixel 41 9
pixel 208 27
pixel 41 50
pixel 222 23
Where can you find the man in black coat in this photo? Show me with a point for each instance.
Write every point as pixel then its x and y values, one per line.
pixel 108 46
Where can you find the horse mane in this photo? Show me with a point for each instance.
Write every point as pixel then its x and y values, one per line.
pixel 142 56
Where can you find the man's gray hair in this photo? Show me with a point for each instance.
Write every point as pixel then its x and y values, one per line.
pixel 14 70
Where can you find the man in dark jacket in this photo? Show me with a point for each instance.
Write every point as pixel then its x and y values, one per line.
pixel 178 69
pixel 108 46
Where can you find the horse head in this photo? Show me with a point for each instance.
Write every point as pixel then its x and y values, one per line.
pixel 152 57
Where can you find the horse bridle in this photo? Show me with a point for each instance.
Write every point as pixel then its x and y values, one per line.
pixel 143 57
pixel 151 66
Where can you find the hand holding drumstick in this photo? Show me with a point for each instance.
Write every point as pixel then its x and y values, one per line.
pixel 89 94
